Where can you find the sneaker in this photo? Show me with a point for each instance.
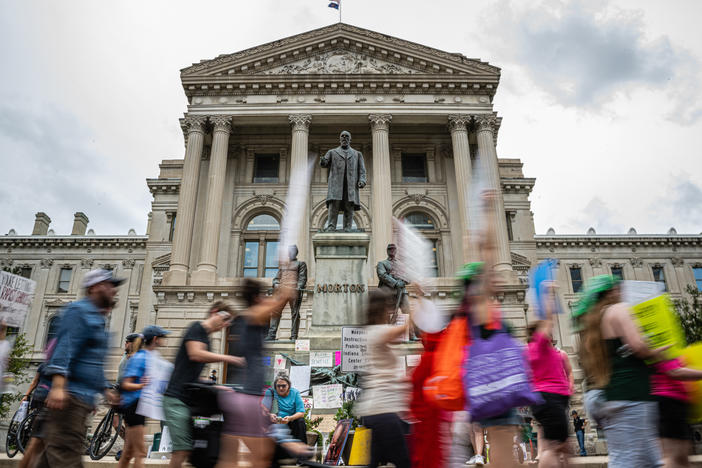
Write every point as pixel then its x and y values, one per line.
pixel 479 460
pixel 472 460
pixel 118 455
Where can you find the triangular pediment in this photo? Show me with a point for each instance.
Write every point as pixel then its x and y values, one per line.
pixel 339 49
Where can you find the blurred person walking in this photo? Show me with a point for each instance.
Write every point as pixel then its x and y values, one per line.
pixel 383 401
pixel 246 417
pixel 612 352
pixel 550 376
pixel 133 381
pixel 77 370
pixel 193 353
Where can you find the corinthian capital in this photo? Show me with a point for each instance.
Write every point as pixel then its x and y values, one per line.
pixel 485 122
pixel 458 122
pixel 380 121
pixel 300 121
pixel 195 123
pixel 221 122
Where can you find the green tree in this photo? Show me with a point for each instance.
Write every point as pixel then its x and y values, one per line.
pixel 16 372
pixel 689 309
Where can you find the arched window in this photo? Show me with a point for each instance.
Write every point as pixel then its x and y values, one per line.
pixel 425 223
pixel 260 247
pixel 52 329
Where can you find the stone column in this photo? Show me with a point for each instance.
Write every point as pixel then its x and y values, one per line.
pixel 180 253
pixel 381 189
pixel 462 167
pixel 206 271
pixel 299 150
pixel 487 158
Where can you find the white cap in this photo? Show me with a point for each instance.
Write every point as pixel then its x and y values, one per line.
pixel 94 277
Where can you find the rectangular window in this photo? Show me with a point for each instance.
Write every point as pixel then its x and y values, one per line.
pixel 251 259
pixel 271 259
pixel 434 268
pixel 266 168
pixel 698 277
pixel 618 272
pixel 171 231
pixel 510 235
pixel 659 276
pixel 26 272
pixel 576 278
pixel 414 167
pixel 64 280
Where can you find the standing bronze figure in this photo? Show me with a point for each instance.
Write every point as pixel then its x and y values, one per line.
pixel 347 174
pixel 389 280
pixel 299 269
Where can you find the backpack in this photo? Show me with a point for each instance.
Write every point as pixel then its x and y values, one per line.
pixel 444 387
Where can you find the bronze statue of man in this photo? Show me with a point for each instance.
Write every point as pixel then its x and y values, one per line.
pixel 299 270
pixel 394 285
pixel 347 174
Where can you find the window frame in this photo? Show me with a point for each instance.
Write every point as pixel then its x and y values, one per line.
pixel 68 281
pixel 617 267
pixel 432 235
pixel 266 180
pixel 413 180
pixel 660 268
pixel 263 239
pixel 53 318
pixel 698 281
pixel 572 280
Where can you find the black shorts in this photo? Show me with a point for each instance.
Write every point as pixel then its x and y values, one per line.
pixel 39 424
pixel 131 418
pixel 552 415
pixel 672 419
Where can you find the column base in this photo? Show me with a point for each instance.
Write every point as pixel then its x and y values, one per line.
pixel 175 278
pixel 202 277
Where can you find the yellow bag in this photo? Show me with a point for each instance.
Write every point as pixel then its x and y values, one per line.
pixel 692 356
pixel 360 448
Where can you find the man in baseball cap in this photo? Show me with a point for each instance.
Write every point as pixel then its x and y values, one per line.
pixel 77 369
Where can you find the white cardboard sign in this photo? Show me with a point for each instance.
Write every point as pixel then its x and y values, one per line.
pixel 302 345
pixel 354 349
pixel 158 371
pixel 321 359
pixel 328 396
pixel 300 378
pixel 16 294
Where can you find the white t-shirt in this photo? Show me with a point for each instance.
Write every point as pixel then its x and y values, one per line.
pixel 385 388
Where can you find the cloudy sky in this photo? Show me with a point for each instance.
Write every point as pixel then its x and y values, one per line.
pixel 601 99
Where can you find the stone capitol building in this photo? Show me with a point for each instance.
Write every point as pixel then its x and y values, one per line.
pixel 425 123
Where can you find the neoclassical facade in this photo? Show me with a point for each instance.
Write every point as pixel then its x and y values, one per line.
pixel 425 123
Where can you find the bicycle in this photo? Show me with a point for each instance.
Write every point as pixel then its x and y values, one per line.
pixel 11 447
pixel 105 435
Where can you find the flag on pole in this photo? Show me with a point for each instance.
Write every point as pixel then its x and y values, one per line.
pixel 334 4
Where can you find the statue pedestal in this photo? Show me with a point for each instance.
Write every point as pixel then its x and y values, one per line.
pixel 341 285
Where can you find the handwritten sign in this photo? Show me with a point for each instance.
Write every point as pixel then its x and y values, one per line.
pixel 354 349
pixel 413 360
pixel 321 359
pixel 300 378
pixel 158 371
pixel 302 345
pixel 308 402
pixel 660 325
pixel 16 293
pixel 279 362
pixel 328 396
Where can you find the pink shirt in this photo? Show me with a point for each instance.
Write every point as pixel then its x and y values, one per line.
pixel 665 386
pixel 548 372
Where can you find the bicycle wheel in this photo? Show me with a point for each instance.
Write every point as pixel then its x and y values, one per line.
pixel 104 436
pixel 11 447
pixel 24 433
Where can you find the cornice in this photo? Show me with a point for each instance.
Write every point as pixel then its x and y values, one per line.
pixel 170 185
pixel 635 242
pixel 73 242
pixel 517 185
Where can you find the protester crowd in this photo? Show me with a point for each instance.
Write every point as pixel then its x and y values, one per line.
pixel 516 398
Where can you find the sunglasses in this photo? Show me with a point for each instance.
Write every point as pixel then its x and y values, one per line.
pixel 281 385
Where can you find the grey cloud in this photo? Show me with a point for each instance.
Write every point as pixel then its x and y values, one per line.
pixel 581 55
pixel 595 214
pixel 50 164
pixel 684 203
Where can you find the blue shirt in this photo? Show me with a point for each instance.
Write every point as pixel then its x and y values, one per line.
pixel 136 368
pixel 81 350
pixel 291 404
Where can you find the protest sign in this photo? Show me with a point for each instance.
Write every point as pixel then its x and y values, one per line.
pixel 636 292
pixel 540 277
pixel 300 378
pixel 158 371
pixel 354 349
pixel 337 358
pixel 660 325
pixel 692 357
pixel 413 360
pixel 302 345
pixel 308 402
pixel 321 359
pixel 351 393
pixel 402 320
pixel 328 396
pixel 16 294
pixel 279 362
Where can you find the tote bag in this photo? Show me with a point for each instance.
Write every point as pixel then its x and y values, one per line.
pixel 496 376
pixel 444 386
